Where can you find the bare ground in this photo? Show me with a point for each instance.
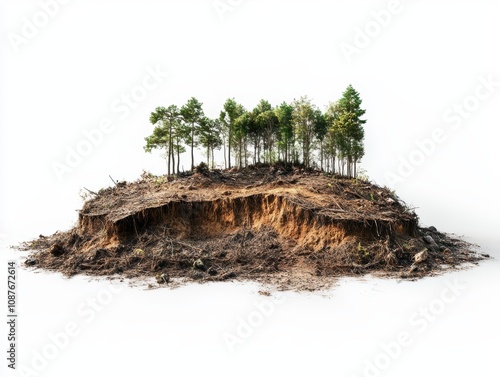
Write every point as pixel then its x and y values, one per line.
pixel 287 227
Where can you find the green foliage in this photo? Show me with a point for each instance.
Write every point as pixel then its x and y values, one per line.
pixel 285 136
pixel 231 111
pixel 167 134
pixel 192 114
pixel 209 137
pixel 347 129
pixel 297 133
pixel 202 168
pixel 363 253
pixel 159 181
pixel 304 118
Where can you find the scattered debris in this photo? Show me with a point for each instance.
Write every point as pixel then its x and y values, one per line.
pixel 421 257
pixel 57 250
pixel 30 262
pixel 162 279
pixel 289 226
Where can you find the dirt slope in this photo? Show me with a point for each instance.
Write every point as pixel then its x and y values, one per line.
pixel 293 228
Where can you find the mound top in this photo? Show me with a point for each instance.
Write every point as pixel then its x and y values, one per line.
pixel 298 229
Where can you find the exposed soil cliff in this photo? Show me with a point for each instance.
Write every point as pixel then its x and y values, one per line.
pixel 289 227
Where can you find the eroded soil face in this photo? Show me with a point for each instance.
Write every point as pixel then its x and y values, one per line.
pixel 283 226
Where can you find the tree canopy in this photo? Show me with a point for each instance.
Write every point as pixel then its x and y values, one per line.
pixel 293 133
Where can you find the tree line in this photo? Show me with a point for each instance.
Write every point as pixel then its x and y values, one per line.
pixel 292 133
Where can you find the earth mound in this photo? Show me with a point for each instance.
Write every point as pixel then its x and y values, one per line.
pixel 286 226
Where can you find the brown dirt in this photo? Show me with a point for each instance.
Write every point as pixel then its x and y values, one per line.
pixel 287 227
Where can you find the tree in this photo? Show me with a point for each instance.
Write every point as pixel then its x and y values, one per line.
pixel 296 132
pixel 304 117
pixel 192 113
pixel 167 125
pixel 331 142
pixel 284 115
pixel 320 129
pixel 242 126
pixel 209 137
pixel 348 127
pixel 264 129
pixel 269 126
pixel 232 111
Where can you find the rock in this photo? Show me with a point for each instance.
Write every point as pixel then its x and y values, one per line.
pixel 428 239
pixel 30 262
pixel 432 229
pixel 199 265
pixel 421 256
pixel 57 250
pixel 162 278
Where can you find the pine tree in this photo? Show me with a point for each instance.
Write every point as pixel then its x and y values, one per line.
pixel 209 138
pixel 165 134
pixel 348 129
pixel 304 118
pixel 192 113
pixel 285 129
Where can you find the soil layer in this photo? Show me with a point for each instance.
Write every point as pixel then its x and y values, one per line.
pixel 286 226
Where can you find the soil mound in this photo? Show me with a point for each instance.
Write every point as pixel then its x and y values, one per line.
pixel 294 228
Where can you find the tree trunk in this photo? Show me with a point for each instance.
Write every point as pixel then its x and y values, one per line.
pixel 173 156
pixel 225 157
pixel 192 146
pixel 241 153
pixel 229 149
pixel 245 148
pixel 321 155
pixel 178 159
pixel 169 149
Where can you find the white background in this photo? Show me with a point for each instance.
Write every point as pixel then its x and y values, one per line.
pixel 427 57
